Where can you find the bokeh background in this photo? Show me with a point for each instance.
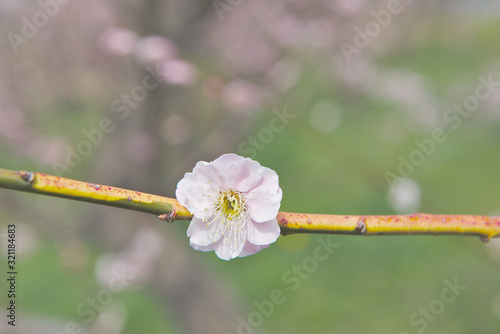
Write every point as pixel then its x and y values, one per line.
pixel 179 81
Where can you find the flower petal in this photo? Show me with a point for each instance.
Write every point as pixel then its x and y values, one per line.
pixel 231 245
pixel 244 173
pixel 250 249
pixel 208 248
pixel 265 198
pixel 212 174
pixel 202 235
pixel 264 233
pixel 225 161
pixel 199 190
pixel 194 196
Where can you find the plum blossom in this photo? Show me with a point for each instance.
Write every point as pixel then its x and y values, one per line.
pixel 234 202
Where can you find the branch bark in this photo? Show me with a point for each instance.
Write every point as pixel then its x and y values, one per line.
pixel 170 209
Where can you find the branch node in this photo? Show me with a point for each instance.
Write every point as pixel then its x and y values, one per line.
pixel 484 238
pixel 27 176
pixel 95 186
pixel 168 217
pixel 360 227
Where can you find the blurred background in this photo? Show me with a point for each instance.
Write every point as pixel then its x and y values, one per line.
pixel 340 97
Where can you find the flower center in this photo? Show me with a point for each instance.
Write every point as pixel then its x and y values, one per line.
pixel 231 205
pixel 230 215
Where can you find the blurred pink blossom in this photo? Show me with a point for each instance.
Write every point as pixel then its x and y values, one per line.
pixel 132 265
pixel 117 41
pixel 348 7
pixel 241 96
pixel 178 72
pixel 404 196
pixel 153 49
pixel 286 31
pixel 284 74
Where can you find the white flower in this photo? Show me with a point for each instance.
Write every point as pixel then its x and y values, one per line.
pixel 234 202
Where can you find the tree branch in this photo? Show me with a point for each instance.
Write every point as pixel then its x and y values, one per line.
pixel 169 209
